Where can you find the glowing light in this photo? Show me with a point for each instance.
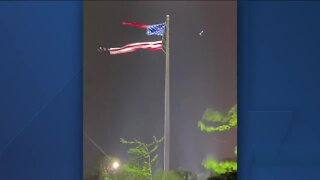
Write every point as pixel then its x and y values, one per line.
pixel 115 165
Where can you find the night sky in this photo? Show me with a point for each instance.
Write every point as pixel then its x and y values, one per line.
pixel 124 94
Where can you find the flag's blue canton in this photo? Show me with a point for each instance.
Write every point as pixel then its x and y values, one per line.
pixel 156 29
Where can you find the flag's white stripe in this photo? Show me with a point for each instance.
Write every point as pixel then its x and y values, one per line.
pixel 135 46
pixel 132 49
pixel 139 43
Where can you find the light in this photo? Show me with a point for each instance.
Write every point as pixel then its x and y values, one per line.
pixel 115 165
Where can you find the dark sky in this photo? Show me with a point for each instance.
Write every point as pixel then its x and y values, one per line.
pixel 124 94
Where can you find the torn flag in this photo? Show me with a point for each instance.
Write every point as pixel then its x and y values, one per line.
pixel 157 45
pixel 154 29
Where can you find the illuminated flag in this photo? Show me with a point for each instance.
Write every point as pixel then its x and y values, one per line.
pixel 163 31
pixel 155 29
pixel 156 45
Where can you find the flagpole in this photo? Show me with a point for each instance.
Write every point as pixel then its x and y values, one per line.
pixel 167 101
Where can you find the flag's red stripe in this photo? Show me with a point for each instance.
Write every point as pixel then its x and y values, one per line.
pixel 131 49
pixel 128 46
pixel 136 44
pixel 157 45
pixel 144 26
pixel 135 49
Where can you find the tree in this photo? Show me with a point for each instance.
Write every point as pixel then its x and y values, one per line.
pixel 143 158
pixel 219 123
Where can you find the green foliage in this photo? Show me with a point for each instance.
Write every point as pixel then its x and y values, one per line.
pixel 219 121
pixel 142 158
pixel 227 176
pixel 221 167
pixel 159 175
pixel 169 175
pixel 174 175
pixel 123 175
pixel 107 178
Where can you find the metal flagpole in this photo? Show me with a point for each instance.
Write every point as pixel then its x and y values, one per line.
pixel 167 101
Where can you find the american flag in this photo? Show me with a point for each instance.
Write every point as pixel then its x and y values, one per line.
pixel 156 45
pixel 155 29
